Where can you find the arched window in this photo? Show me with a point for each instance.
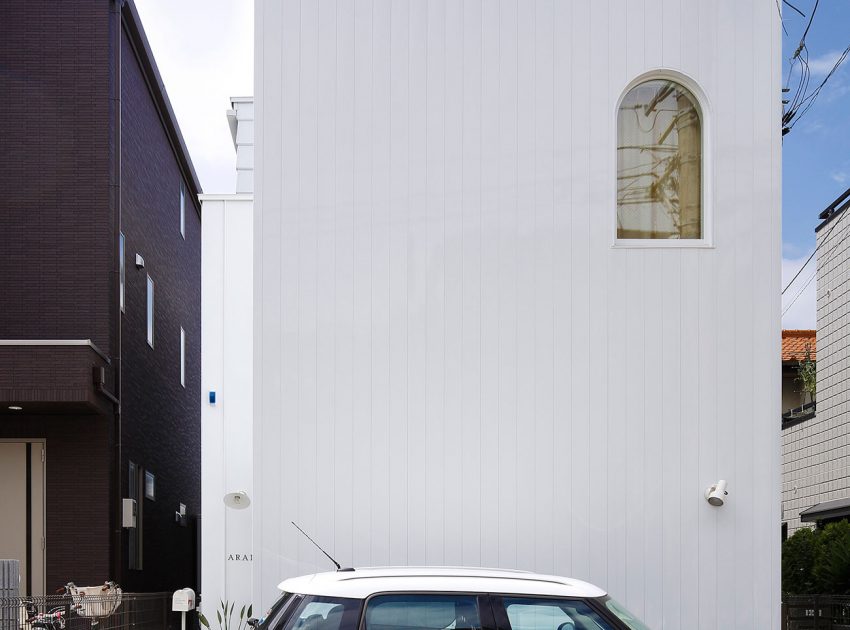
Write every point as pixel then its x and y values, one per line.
pixel 659 163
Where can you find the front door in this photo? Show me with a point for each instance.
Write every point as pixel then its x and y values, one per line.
pixel 22 516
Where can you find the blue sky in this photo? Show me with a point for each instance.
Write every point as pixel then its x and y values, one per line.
pixel 816 153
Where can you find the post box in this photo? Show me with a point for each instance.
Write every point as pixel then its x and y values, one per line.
pixel 183 600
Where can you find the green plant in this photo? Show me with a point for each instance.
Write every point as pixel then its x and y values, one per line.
pixel 807 373
pixel 817 560
pixel 224 615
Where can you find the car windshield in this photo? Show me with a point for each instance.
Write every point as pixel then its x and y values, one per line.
pixel 632 622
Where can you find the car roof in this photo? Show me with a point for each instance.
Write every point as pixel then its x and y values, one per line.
pixel 362 582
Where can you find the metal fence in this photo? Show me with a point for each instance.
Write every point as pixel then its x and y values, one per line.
pixel 816 612
pixel 137 611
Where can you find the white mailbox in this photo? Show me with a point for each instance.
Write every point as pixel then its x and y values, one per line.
pixel 183 600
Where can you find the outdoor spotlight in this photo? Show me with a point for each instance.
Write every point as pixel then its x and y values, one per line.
pixel 716 494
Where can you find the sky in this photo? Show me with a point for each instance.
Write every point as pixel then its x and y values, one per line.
pixel 816 153
pixel 203 66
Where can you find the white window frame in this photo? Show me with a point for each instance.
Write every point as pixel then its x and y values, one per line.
pixel 149 302
pixel 182 357
pixel 183 210
pixel 122 269
pixel 707 240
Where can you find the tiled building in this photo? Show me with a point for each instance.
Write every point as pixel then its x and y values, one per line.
pixel 100 326
pixel 816 473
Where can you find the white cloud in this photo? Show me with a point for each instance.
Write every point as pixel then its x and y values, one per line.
pixel 839 176
pixel 205 53
pixel 802 313
pixel 821 65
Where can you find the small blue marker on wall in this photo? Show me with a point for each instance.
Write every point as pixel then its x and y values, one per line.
pixel 212 398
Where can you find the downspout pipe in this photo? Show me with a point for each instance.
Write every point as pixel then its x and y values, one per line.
pixel 116 485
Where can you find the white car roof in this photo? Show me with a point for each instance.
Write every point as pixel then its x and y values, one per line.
pixel 363 582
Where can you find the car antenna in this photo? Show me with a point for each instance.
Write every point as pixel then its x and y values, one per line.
pixel 338 566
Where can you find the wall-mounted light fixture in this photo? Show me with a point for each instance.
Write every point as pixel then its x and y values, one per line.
pixel 140 262
pixel 716 494
pixel 237 500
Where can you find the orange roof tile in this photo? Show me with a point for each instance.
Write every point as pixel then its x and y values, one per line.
pixel 794 344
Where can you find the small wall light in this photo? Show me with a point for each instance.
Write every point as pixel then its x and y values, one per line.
pixel 140 262
pixel 716 494
pixel 237 500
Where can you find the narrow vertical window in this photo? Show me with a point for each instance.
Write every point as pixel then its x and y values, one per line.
pixel 182 357
pixel 150 312
pixel 659 163
pixel 182 210
pixel 121 270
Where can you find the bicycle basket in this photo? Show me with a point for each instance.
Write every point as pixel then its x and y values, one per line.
pixel 95 601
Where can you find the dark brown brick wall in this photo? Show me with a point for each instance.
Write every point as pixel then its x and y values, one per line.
pixel 57 240
pixel 55 219
pixel 161 419
pixel 77 517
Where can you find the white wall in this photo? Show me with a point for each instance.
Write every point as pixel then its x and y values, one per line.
pixel 227 273
pixel 453 365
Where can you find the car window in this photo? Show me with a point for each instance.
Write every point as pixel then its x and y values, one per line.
pixel 552 614
pixel 632 622
pixel 325 613
pixel 422 612
pixel 276 615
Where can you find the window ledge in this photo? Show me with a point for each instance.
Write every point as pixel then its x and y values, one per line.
pixel 650 243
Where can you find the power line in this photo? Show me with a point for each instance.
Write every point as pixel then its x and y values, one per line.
pixel 830 209
pixel 827 260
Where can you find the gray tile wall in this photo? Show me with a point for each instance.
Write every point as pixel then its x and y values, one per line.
pixel 815 466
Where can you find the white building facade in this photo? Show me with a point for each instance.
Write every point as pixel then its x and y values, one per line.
pixel 473 344
pixel 227 376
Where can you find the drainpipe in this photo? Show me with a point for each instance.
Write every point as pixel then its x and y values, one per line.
pixel 115 192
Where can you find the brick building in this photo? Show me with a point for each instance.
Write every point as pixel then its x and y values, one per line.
pixel 100 234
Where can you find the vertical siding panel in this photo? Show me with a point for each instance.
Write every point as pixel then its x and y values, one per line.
pixel 582 106
pixel 617 318
pixel 708 431
pixel 325 263
pixel 452 369
pixel 398 217
pixel 740 561
pixel 692 503
pixel 546 475
pixel 725 349
pixel 306 297
pixel 344 284
pixel 288 150
pixel 508 175
pixel 525 326
pixel 655 392
pixel 473 446
pixel 654 389
pixel 635 389
pixel 362 289
pixel 434 234
pixel 601 196
pixel 671 378
pixel 380 277
pixel 416 279
pixel 491 492
pixel 766 303
pixel 562 359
